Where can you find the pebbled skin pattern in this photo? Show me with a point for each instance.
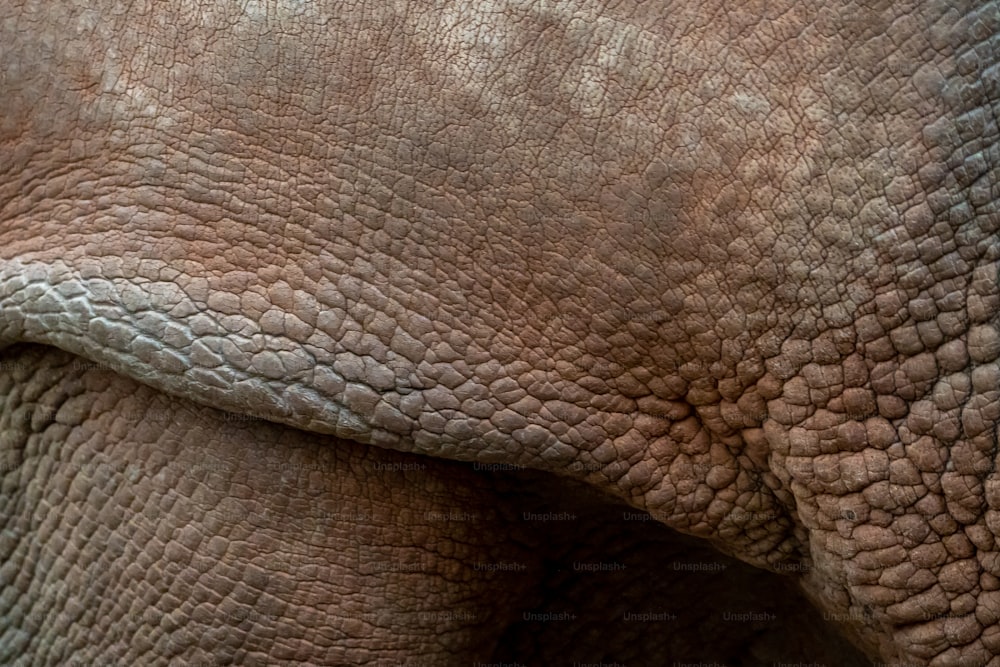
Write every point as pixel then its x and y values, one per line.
pixel 736 266
pixel 149 530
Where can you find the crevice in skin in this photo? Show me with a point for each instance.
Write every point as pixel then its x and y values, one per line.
pixel 189 197
pixel 215 522
pixel 348 408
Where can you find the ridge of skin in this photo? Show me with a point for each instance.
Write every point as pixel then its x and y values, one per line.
pixel 759 300
pixel 225 539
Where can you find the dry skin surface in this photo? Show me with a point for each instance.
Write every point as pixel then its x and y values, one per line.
pixel 736 266
pixel 144 529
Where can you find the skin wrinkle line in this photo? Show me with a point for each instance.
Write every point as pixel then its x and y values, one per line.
pixel 117 358
pixel 810 207
pixel 301 406
pixel 263 525
pixel 86 286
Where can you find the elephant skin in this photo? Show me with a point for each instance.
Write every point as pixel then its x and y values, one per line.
pixel 735 266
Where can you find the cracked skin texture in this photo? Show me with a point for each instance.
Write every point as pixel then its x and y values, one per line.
pixel 233 541
pixel 734 266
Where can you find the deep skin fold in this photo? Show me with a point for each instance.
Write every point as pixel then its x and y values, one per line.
pixel 224 539
pixel 746 286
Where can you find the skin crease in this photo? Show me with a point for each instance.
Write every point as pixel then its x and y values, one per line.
pixel 307 549
pixel 734 266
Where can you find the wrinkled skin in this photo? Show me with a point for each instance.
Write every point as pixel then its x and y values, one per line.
pixel 305 548
pixel 735 266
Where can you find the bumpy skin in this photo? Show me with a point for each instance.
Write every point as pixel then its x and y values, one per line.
pixel 733 265
pixel 149 530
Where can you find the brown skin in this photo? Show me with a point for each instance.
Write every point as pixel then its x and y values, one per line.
pixel 176 532
pixel 735 266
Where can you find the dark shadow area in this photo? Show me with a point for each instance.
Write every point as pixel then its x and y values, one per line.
pixel 623 588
